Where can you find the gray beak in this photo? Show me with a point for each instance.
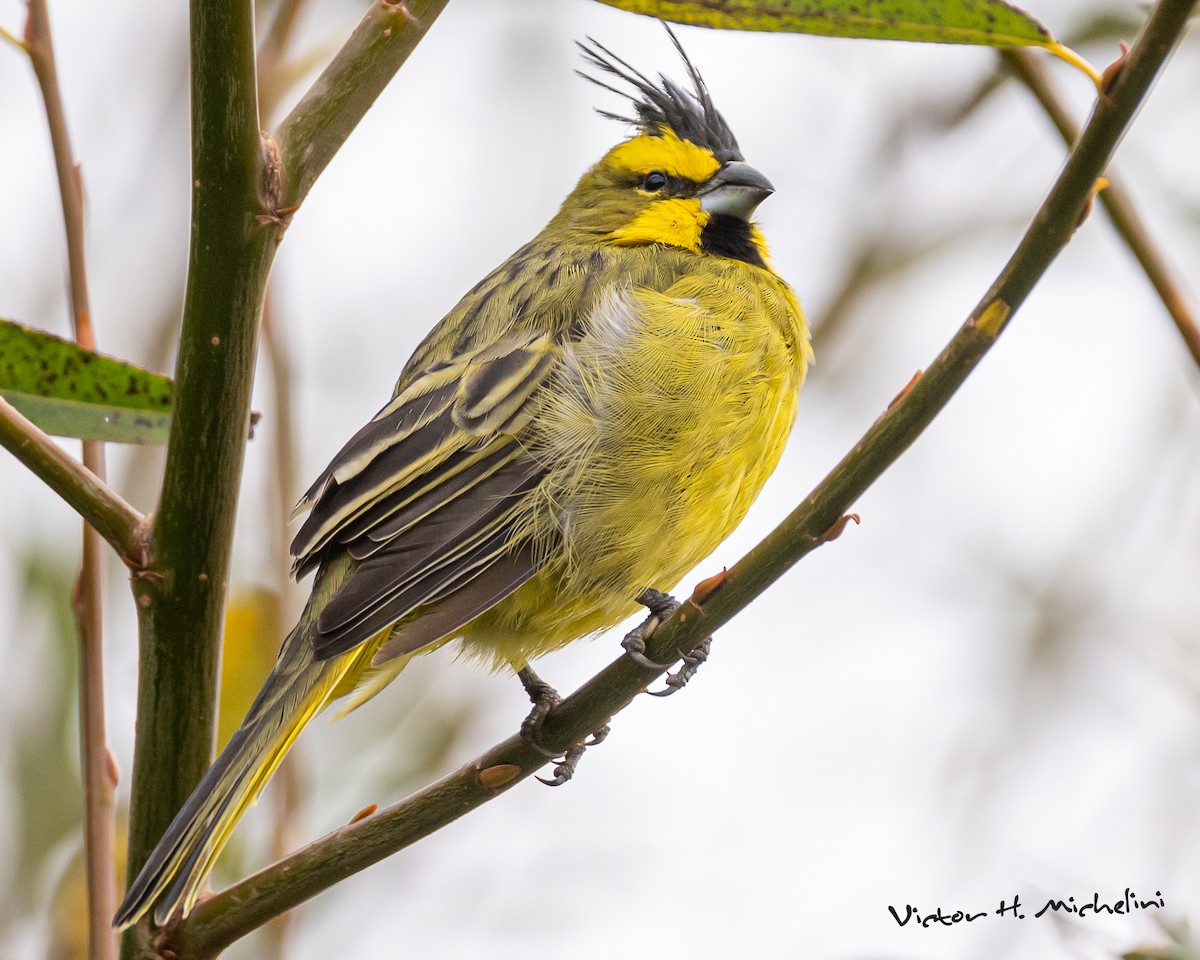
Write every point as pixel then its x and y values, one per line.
pixel 736 189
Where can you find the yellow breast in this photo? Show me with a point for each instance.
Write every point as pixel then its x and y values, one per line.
pixel 671 412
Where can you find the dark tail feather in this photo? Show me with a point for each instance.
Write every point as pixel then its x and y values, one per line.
pixel 297 689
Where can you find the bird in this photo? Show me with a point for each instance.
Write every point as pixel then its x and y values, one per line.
pixel 584 427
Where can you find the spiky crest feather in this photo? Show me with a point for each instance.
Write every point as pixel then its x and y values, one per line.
pixel 690 114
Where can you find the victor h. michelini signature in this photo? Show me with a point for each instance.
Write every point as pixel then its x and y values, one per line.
pixel 1016 910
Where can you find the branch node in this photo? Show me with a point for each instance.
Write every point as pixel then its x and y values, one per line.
pixel 992 319
pixel 1100 184
pixel 836 528
pixel 136 556
pixel 706 588
pixel 1112 73
pixel 912 382
pixel 272 172
pixel 498 775
pixel 271 189
pixel 362 814
pixel 399 6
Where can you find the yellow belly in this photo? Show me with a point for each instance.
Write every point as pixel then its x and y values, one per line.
pixel 673 411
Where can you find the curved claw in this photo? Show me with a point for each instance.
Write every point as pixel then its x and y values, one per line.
pixel 691 664
pixel 545 698
pixel 661 607
pixel 566 768
pixel 635 649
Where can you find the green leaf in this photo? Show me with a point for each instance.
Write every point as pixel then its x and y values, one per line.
pixel 71 392
pixel 992 23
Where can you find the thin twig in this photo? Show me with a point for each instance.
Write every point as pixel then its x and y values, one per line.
pixel 88 601
pixel 281 482
pixel 40 46
pixel 224 918
pixel 281 495
pixel 279 35
pixel 273 54
pixel 1116 200
pixel 281 486
pixel 99 787
pixel 101 506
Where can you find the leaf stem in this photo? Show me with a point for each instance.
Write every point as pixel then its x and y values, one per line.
pixel 9 38
pixel 224 918
pixel 1067 55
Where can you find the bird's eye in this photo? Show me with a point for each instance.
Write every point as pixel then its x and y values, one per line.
pixel 654 181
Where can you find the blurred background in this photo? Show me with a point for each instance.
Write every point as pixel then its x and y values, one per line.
pixel 990 688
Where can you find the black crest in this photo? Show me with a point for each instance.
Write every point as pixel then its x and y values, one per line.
pixel 689 114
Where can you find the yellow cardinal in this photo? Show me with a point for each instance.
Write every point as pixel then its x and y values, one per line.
pixel 589 422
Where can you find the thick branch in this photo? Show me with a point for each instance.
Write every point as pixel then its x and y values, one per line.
pixel 1117 202
pixel 339 98
pixel 238 214
pixel 221 920
pixel 231 914
pixel 181 601
pixel 84 492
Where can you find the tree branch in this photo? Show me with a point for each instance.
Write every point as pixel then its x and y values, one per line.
pixel 40 47
pixel 98 504
pixel 224 918
pixel 181 600
pixel 88 601
pixel 238 216
pixel 281 494
pixel 1121 211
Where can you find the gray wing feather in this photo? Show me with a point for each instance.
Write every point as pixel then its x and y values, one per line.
pixel 426 497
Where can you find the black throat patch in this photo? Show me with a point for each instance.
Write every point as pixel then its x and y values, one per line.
pixel 729 236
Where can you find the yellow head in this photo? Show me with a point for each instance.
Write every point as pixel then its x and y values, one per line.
pixel 680 180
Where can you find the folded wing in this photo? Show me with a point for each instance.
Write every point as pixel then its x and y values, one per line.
pixel 427 497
